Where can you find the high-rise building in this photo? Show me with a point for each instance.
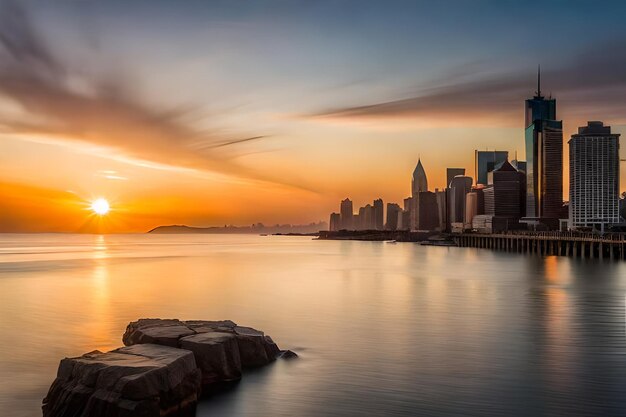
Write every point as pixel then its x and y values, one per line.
pixel 426 211
pixel 379 215
pixel 406 214
pixel 335 222
pixel 487 161
pixel 503 197
pixel 442 209
pixel 544 158
pixel 594 177
pixel 471 208
pixel 459 187
pixel 419 182
pixel 453 172
pixel 347 213
pixel 392 216
pixel 474 204
pixel 366 218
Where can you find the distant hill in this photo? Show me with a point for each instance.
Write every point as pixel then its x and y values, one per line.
pixel 255 228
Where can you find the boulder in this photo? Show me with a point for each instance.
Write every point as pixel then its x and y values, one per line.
pixel 288 354
pixel 254 347
pixel 157 331
pixel 143 380
pixel 217 355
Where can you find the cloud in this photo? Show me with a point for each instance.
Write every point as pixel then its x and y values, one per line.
pixel 591 83
pixel 59 102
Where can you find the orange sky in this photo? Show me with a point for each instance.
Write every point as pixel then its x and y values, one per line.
pixel 256 117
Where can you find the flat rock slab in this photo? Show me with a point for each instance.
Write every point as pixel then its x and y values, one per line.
pixel 217 355
pixel 250 347
pixel 141 381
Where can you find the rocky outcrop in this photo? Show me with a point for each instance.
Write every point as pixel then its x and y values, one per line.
pixel 240 347
pixel 162 371
pixel 141 380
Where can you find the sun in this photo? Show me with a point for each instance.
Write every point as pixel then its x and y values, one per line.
pixel 100 206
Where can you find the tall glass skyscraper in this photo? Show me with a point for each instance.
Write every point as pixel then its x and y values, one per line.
pixel 544 158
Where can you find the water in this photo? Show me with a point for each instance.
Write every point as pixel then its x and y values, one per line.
pixel 381 329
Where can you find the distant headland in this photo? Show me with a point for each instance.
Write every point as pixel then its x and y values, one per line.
pixel 257 228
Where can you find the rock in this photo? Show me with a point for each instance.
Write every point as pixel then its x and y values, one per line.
pixel 254 347
pixel 288 354
pixel 161 372
pixel 217 355
pixel 143 380
pixel 160 332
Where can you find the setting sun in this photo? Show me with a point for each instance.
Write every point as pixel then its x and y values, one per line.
pixel 100 206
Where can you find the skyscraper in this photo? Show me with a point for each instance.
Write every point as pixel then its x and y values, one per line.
pixel 453 172
pixel 544 158
pixel 347 214
pixel 442 209
pixel 419 182
pixel 502 195
pixel 426 211
pixel 487 161
pixel 379 215
pixel 594 177
pixel 459 186
pixel 393 211
pixel 335 222
pixel 366 217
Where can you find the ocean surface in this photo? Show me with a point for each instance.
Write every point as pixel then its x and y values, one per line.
pixel 381 329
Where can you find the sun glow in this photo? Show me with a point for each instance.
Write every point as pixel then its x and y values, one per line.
pixel 100 206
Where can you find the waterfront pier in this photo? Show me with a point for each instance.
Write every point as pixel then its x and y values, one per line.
pixel 608 246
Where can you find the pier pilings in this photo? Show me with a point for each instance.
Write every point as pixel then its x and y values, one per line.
pixel 578 245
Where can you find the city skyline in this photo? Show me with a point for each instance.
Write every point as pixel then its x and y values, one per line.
pixel 257 115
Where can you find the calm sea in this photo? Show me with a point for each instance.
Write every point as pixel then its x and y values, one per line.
pixel 381 329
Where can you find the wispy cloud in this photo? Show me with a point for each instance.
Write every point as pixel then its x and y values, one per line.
pixel 104 113
pixel 591 83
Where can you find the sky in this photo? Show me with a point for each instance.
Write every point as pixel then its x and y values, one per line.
pixel 228 112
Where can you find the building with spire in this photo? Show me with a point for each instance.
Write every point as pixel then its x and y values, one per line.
pixel 419 210
pixel 544 159
pixel 419 182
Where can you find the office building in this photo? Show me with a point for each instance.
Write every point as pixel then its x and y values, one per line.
pixel 335 222
pixel 393 211
pixel 347 213
pixel 487 161
pixel 544 158
pixel 503 197
pixel 594 177
pixel 419 182
pixel 453 172
pixel 379 215
pixel 474 204
pixel 459 187
pixel 442 209
pixel 426 211
pixel 367 218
